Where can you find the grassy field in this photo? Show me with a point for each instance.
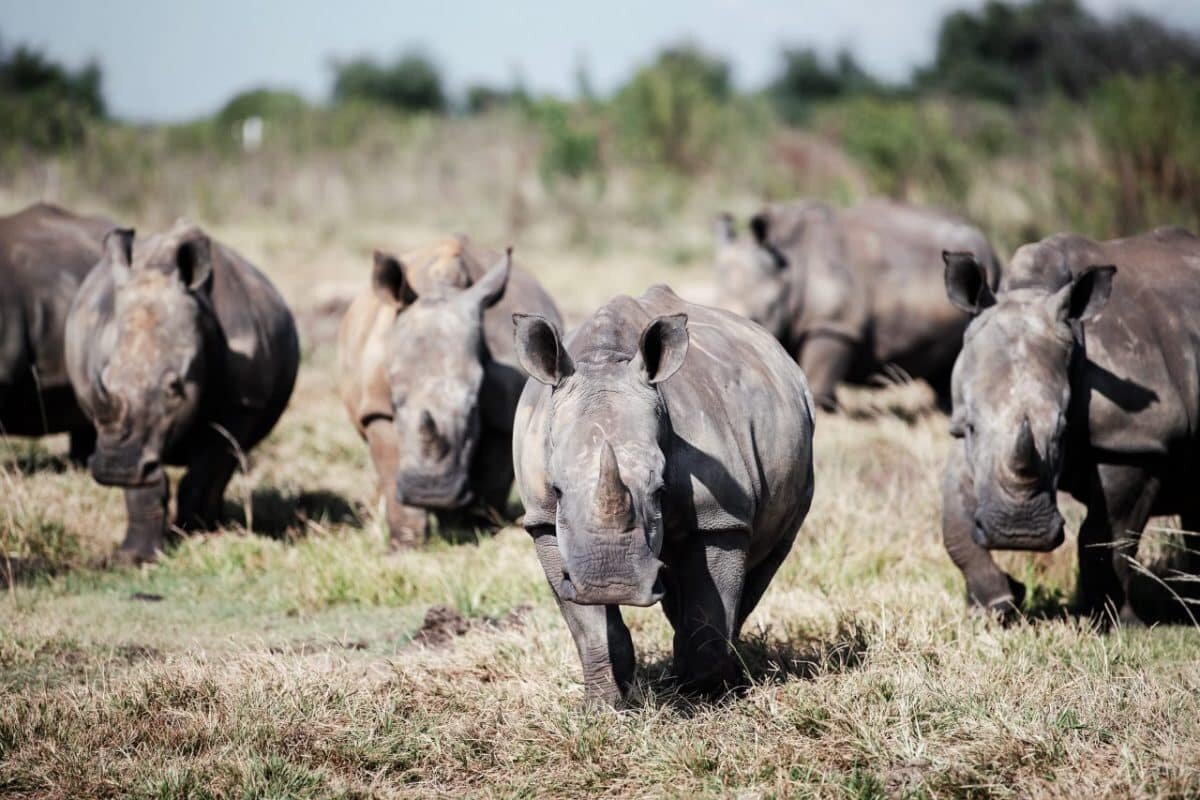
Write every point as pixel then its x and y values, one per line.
pixel 290 654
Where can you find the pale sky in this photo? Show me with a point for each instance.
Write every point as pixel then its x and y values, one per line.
pixel 175 59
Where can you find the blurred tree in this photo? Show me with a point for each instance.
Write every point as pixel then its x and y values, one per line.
pixel 42 103
pixel 1014 53
pixel 412 82
pixel 805 79
pixel 670 112
pixel 270 104
pixel 1149 131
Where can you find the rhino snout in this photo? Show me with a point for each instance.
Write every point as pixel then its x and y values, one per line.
pixel 124 466
pixel 436 492
pixel 608 578
pixel 1042 539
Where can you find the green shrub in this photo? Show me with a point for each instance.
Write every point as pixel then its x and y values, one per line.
pixel 671 113
pixel 805 79
pixel 571 148
pixel 43 105
pixel 1149 131
pixel 412 82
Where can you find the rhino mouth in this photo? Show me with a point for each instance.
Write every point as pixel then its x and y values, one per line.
pixel 610 593
pixel 440 492
pixel 123 468
pixel 1039 542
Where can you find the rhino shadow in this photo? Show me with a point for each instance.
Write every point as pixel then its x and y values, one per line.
pixel 32 462
pixel 765 659
pixel 279 514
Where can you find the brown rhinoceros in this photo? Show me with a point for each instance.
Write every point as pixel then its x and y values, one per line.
pixel 429 378
pixel 1082 374
pixel 182 353
pixel 852 293
pixel 663 451
pixel 45 253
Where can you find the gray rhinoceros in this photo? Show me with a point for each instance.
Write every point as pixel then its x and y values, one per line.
pixel 1081 375
pixel 427 373
pixel 45 253
pixel 664 451
pixel 182 353
pixel 852 293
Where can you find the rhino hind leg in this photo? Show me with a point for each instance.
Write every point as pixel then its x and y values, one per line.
pixel 83 444
pixel 146 521
pixel 1119 504
pixel 601 637
pixel 704 587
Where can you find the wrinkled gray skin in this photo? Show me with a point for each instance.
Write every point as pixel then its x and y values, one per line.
pixel 663 452
pixel 429 376
pixel 854 294
pixel 182 353
pixel 45 254
pixel 1082 375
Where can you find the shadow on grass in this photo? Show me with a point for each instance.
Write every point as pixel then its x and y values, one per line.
pixel 1162 599
pixel 764 659
pixel 286 515
pixel 34 461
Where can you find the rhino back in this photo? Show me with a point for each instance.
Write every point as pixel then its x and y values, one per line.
pixel 740 454
pixel 1141 381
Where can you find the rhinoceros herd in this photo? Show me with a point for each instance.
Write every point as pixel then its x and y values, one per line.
pixel 662 450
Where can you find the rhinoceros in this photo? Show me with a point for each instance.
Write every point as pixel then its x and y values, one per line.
pixel 1081 375
pixel 429 378
pixel 852 293
pixel 663 452
pixel 182 353
pixel 45 253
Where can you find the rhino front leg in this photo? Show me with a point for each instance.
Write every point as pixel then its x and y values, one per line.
pixel 146 521
pixel 407 526
pixel 826 360
pixel 601 637
pixel 202 489
pixel 704 586
pixel 989 588
pixel 1119 505
pixel 83 444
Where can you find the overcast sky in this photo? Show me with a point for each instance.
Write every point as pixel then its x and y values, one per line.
pixel 174 59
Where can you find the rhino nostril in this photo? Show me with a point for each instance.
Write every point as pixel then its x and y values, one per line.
pixel 149 467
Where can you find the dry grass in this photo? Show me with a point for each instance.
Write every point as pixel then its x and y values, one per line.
pixel 280 662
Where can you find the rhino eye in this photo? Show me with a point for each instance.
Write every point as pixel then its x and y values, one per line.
pixel 174 387
pixel 557 492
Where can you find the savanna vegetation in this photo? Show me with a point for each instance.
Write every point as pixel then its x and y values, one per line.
pixel 290 654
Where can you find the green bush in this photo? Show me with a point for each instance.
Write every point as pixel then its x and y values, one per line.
pixel 571 148
pixel 805 80
pixel 410 83
pixel 44 105
pixel 672 112
pixel 269 104
pixel 1149 131
pixel 904 145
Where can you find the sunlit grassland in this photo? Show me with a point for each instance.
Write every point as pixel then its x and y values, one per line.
pixel 275 657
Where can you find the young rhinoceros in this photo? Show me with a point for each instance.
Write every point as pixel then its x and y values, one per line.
pixel 182 353
pixel 45 254
pixel 428 375
pixel 664 451
pixel 1080 376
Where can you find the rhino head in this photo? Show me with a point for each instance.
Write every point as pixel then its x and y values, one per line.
pixel 751 274
pixel 605 461
pixel 148 387
pixel 437 359
pixel 1012 391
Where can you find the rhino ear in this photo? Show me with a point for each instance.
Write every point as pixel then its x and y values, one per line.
pixel 966 283
pixel 662 347
pixel 760 226
pixel 489 289
pixel 540 351
pixel 1086 295
pixel 193 260
pixel 118 250
pixel 389 282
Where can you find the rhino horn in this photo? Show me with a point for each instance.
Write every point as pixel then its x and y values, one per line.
pixel 1025 455
pixel 612 498
pixel 433 444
